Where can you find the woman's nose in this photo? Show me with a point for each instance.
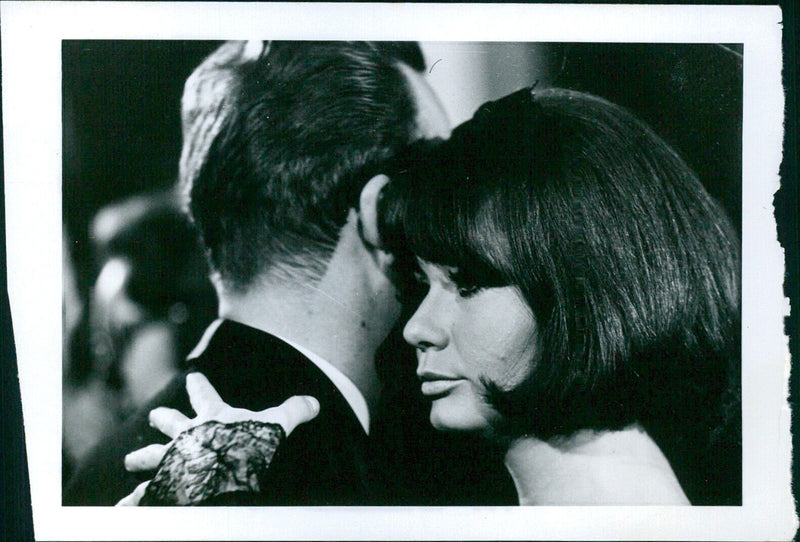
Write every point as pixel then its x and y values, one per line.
pixel 425 329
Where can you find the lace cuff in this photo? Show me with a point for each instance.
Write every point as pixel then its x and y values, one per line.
pixel 212 459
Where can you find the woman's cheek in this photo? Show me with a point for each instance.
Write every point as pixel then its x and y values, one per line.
pixel 503 354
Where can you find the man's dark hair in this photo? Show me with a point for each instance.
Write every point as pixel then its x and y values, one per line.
pixel 279 139
pixel 631 270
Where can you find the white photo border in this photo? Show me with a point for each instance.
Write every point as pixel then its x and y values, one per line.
pixel 31 66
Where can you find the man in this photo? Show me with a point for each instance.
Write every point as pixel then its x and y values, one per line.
pixel 283 148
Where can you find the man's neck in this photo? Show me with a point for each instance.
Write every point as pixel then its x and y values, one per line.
pixel 313 319
pixel 342 318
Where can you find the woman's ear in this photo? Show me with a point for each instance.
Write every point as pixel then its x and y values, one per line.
pixel 368 210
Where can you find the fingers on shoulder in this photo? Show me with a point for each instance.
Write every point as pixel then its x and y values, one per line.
pixel 134 498
pixel 291 413
pixel 169 421
pixel 146 458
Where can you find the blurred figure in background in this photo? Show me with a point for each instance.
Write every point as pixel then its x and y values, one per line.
pixel 149 305
pixel 152 298
pixel 85 413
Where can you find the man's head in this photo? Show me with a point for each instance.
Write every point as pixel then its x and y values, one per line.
pixel 280 140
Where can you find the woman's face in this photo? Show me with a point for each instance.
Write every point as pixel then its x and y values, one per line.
pixel 465 337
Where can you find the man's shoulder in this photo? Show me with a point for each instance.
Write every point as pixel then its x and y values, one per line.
pixel 254 370
pixel 323 461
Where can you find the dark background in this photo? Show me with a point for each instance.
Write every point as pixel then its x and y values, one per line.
pixel 121 126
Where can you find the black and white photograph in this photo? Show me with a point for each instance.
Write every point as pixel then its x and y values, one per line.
pixel 382 272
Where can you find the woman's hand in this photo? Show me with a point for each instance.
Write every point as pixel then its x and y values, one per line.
pixel 209 406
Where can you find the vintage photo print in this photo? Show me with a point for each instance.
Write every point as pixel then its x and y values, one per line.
pixel 650 139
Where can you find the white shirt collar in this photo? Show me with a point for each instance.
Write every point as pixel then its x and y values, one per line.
pixel 204 340
pixel 351 393
pixel 349 390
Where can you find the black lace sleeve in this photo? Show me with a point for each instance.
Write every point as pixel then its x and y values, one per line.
pixel 213 459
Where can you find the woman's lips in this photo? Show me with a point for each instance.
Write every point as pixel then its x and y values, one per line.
pixel 438 387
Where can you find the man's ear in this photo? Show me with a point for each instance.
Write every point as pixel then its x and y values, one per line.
pixel 368 209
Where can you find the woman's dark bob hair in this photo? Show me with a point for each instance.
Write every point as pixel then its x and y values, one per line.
pixel 630 268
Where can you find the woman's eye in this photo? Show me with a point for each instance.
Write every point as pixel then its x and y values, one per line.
pixel 465 287
pixel 468 291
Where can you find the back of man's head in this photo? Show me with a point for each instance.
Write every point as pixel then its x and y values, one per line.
pixel 279 139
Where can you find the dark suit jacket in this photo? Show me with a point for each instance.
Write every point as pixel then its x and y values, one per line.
pixel 322 462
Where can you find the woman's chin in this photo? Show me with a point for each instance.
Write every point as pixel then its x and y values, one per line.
pixel 457 418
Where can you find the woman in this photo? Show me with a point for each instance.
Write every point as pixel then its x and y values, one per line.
pixel 582 304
